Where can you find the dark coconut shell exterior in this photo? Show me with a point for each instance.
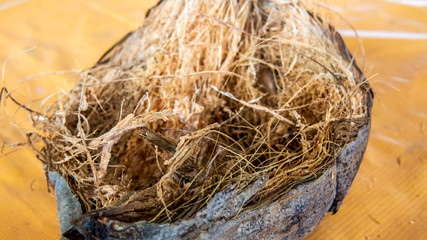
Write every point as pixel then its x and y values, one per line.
pixel 292 216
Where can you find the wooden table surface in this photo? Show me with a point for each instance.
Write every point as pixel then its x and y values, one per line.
pixel 388 199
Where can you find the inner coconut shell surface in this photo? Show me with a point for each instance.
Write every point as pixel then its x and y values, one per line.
pixel 205 95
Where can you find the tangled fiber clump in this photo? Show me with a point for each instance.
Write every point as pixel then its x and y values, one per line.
pixel 206 94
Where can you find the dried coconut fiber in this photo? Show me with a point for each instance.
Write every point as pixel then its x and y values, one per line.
pixel 214 120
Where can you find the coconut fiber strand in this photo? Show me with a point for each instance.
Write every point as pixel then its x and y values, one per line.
pixel 205 95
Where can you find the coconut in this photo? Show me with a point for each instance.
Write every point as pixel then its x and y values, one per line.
pixel 214 119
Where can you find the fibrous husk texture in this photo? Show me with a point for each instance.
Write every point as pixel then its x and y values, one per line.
pixel 204 95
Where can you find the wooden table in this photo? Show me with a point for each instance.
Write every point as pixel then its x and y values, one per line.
pixel 388 199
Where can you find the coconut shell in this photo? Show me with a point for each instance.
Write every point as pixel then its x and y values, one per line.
pixel 291 216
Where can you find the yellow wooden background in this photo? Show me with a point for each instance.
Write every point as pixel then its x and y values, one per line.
pixel 388 199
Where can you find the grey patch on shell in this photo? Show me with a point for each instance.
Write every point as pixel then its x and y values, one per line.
pixel 67 205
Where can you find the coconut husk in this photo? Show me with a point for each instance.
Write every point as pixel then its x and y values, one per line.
pixel 250 97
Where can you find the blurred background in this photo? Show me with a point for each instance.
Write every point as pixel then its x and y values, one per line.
pixel 44 44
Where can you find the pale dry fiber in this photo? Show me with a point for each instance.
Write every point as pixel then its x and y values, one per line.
pixel 206 94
